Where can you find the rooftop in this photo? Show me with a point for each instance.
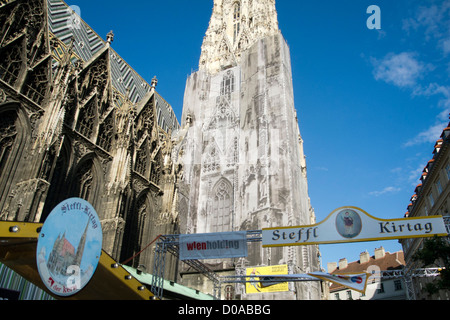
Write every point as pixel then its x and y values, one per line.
pixel 381 259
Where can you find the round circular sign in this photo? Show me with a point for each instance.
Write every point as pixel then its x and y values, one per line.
pixel 348 223
pixel 69 247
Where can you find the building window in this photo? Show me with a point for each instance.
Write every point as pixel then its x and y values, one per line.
pixel 212 161
pixel 106 133
pixel 381 288
pixel 237 27
pixel 227 86
pixel 237 20
pixel 398 285
pixel 336 296
pixel 439 186
pixel 447 170
pixel 222 206
pixel 143 159
pixel 229 292
pixel 237 11
pixel 8 133
pixel 349 295
pixel 85 181
pixel 87 119
pixel 431 199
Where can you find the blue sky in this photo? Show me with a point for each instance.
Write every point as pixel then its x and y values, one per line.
pixel 371 103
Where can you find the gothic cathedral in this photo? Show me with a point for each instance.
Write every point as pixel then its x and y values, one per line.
pixel 240 144
pixel 77 121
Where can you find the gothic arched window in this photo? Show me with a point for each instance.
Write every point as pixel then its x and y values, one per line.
pixel 106 133
pixel 211 162
pixel 237 11
pixel 58 184
pixel 142 159
pixel 87 119
pixel 134 233
pixel 222 206
pixel 84 179
pixel 227 85
pixel 8 133
pixel 14 137
pixel 87 182
pixel 11 63
pixel 237 19
pixel 156 170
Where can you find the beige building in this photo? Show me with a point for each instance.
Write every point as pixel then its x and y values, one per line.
pixel 431 197
pixel 378 288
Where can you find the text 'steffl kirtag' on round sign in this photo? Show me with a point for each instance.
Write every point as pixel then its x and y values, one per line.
pixel 69 247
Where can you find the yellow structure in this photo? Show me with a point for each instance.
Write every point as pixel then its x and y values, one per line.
pixel 256 287
pixel 111 281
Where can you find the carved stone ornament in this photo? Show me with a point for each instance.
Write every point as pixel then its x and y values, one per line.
pixel 2 96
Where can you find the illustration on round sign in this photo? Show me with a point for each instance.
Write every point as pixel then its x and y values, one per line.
pixel 348 223
pixel 69 247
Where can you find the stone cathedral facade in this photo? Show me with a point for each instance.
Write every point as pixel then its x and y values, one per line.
pixel 240 144
pixel 77 121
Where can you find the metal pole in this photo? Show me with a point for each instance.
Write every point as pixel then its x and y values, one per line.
pixel 409 285
pixel 157 286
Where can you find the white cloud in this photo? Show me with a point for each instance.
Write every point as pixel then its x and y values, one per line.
pixel 429 135
pixel 446 46
pixel 436 89
pixel 433 19
pixel 402 70
pixel 435 23
pixel 386 190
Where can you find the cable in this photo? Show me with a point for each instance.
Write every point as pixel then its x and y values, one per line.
pixel 128 260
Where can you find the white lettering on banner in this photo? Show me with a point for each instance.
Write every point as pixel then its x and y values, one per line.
pixel 351 224
pixel 213 245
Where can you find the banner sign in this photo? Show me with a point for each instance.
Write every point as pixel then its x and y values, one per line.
pixel 213 245
pixel 351 224
pixel 255 274
pixel 354 281
pixel 357 282
pixel 69 247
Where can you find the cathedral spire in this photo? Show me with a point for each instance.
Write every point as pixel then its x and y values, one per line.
pixel 236 25
pixel 81 245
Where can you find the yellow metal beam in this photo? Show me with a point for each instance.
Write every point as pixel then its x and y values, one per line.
pixel 18 242
pixel 19 230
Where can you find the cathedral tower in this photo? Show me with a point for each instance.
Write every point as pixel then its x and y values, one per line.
pixel 234 27
pixel 240 144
